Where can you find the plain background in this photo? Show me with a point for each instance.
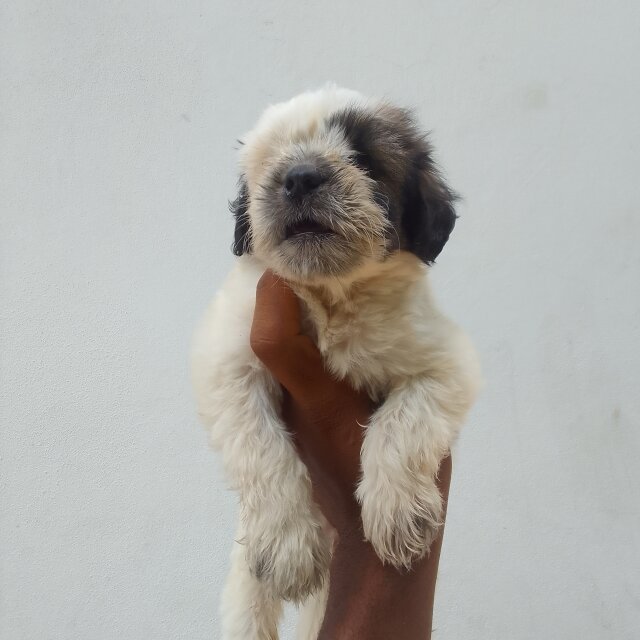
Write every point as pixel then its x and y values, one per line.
pixel 118 128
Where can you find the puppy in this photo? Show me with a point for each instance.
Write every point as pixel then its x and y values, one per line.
pixel 339 195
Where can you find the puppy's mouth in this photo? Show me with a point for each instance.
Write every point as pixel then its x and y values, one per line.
pixel 307 228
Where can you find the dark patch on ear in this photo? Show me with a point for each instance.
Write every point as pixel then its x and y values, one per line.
pixel 240 209
pixel 428 208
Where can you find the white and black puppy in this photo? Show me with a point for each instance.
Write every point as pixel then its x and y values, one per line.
pixel 340 196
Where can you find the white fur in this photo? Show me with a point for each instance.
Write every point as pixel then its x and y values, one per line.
pixel 377 327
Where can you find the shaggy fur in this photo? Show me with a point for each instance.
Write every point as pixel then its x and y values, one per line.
pixel 356 249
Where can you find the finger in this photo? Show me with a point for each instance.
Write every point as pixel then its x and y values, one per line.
pixel 277 314
pixel 443 478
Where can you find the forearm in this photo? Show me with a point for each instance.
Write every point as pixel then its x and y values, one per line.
pixel 372 601
pixel 369 600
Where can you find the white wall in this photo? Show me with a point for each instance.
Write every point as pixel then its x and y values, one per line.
pixel 118 125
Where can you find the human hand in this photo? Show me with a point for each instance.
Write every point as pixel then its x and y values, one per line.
pixel 325 416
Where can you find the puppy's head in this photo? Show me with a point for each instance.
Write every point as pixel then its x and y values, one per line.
pixel 331 182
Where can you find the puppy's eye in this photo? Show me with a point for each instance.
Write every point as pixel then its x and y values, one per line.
pixel 362 160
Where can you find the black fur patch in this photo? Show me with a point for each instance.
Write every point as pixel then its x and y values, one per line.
pixel 389 148
pixel 428 209
pixel 372 139
pixel 240 210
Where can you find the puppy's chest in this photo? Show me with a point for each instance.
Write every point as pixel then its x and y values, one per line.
pixel 369 344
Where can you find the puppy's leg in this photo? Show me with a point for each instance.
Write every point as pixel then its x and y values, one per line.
pixel 404 443
pixel 312 614
pixel 285 547
pixel 313 609
pixel 284 544
pixel 249 611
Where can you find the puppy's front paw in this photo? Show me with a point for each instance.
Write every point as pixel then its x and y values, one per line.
pixel 292 561
pixel 400 517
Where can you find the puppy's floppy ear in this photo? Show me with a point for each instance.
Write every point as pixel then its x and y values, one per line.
pixel 240 209
pixel 428 215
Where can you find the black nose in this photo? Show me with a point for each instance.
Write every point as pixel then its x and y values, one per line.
pixel 301 180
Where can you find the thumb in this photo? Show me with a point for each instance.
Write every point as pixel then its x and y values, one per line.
pixel 277 315
pixel 278 341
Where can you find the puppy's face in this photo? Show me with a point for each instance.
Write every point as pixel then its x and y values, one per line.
pixel 332 182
